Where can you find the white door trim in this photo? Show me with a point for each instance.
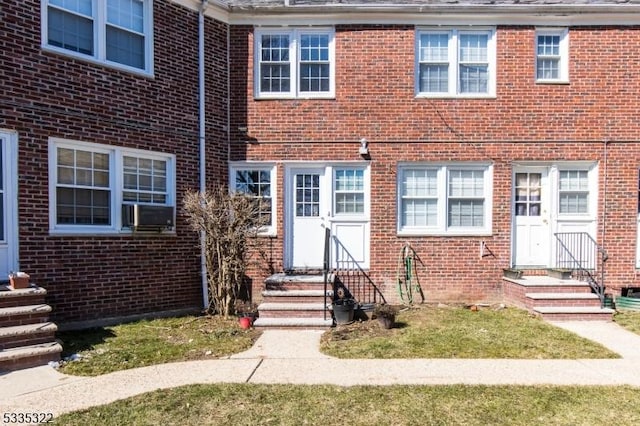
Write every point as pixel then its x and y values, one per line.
pixel 10 179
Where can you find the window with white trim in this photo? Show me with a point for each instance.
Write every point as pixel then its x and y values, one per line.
pixel 294 63
pixel 444 199
pixel 114 32
pixel 349 191
pixel 455 62
pixel 257 182
pixel 90 182
pixel 552 55
pixel 573 192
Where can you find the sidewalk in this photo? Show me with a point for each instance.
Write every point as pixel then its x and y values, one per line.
pixel 293 357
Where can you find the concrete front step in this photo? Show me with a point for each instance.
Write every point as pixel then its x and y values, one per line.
pixel 25 335
pixel 567 313
pixel 294 323
pixel 295 296
pixel 33 295
pixel 29 356
pixel 297 282
pixel 590 300
pixel 22 315
pixel 292 310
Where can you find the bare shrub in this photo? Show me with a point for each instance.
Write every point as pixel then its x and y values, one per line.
pixel 230 222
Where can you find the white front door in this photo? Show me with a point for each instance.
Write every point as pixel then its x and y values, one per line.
pixel 531 215
pixel 332 196
pixel 8 205
pixel 309 210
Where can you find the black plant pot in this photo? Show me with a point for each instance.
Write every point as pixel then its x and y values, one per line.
pixel 343 311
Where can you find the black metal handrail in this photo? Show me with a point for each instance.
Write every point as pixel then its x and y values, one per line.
pixel 349 274
pixel 326 267
pixel 579 252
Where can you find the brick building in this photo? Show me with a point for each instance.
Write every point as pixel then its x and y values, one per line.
pixel 475 131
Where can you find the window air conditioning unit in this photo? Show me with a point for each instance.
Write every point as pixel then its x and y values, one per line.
pixel 143 216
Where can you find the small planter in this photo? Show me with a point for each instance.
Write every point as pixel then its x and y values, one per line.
pixel 245 322
pixel 343 310
pixel 19 280
pixel 387 321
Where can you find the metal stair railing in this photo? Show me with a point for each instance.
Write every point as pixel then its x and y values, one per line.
pixel 348 275
pixel 579 252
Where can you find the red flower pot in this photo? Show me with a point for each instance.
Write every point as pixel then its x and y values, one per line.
pixel 245 322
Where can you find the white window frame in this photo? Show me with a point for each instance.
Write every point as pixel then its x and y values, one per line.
pixel 116 185
pixel 99 8
pixel 364 191
pixel 442 178
pixel 590 192
pixel 454 61
pixel 270 229
pixel 562 57
pixel 294 62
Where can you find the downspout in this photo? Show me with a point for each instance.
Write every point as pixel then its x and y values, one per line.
pixel 201 138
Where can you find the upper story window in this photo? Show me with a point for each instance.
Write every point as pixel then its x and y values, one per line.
pixel 444 199
pixel 294 63
pixel 455 62
pixel 258 182
pixel 552 55
pixel 113 32
pixel 90 182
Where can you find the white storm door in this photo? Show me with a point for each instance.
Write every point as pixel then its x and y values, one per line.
pixel 531 207
pixel 309 210
pixel 8 205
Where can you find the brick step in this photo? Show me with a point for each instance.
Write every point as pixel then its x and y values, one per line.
pixel 296 282
pixel 562 299
pixel 29 356
pixel 295 296
pixel 26 296
pixel 294 323
pixel 292 310
pixel 22 315
pixel 566 313
pixel 25 335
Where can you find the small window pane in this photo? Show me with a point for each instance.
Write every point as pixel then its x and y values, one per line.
pixel 127 14
pixel 70 31
pixel 125 47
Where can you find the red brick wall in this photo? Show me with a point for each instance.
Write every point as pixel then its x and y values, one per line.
pixel 45 95
pixel 526 121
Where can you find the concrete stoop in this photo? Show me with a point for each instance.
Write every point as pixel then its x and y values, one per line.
pixel 295 302
pixel 555 299
pixel 27 337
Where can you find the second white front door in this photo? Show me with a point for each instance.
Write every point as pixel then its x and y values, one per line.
pixel 532 235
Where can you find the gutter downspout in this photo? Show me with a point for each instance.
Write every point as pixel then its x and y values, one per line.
pixel 201 139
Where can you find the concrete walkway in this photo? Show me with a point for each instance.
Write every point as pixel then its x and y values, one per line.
pixel 293 357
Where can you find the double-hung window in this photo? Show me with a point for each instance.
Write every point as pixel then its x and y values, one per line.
pixel 294 63
pixel 552 55
pixel 444 199
pixel 455 62
pixel 573 192
pixel 90 182
pixel 349 191
pixel 114 32
pixel 258 182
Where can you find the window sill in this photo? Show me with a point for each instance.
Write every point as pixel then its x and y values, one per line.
pixel 112 233
pixel 553 82
pixel 294 98
pixel 95 61
pixel 462 233
pixel 455 96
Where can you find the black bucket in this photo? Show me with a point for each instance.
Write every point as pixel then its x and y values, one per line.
pixel 343 311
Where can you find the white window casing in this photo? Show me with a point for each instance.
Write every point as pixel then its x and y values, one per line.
pixel 116 33
pixel 452 62
pixel 89 183
pixel 445 199
pixel 552 55
pixel 294 63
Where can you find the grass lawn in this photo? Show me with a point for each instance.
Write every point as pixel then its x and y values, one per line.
pixel 147 342
pixel 243 404
pixel 455 332
pixel 628 319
